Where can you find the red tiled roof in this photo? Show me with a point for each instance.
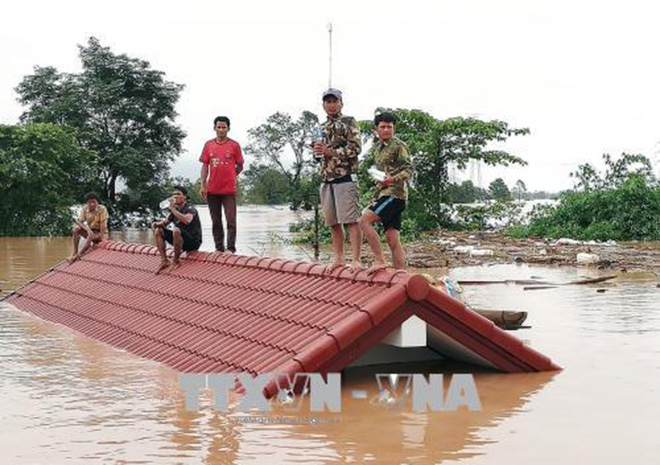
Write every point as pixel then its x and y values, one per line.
pixel 230 313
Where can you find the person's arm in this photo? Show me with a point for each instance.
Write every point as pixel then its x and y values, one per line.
pixel 161 224
pixel 85 225
pixel 347 152
pixel 403 172
pixel 204 188
pixel 238 159
pixel 80 222
pixel 204 158
pixel 184 218
pixel 103 227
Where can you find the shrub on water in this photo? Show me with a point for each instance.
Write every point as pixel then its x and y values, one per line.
pixel 600 231
pixel 629 212
pixel 638 210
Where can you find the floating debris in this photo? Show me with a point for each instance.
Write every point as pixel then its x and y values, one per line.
pixel 505 319
pixel 481 253
pixel 567 241
pixel 584 258
pixel 503 281
pixel 437 250
pixel 466 249
pixel 600 279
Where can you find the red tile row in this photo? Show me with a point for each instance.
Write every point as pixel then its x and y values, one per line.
pixel 227 313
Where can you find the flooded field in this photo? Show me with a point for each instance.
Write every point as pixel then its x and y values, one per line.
pixel 65 398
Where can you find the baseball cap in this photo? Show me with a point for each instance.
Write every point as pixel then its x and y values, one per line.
pixel 332 92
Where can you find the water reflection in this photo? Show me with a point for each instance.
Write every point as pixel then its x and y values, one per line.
pixel 377 433
pixel 73 398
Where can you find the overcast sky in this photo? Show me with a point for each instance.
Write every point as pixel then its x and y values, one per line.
pixel 584 76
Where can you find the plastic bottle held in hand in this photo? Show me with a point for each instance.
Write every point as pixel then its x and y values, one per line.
pixel 165 204
pixel 317 134
pixel 376 174
pixel 317 137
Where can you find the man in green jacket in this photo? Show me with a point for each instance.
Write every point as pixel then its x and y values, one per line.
pixel 391 156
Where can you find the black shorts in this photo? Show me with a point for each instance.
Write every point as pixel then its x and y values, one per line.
pixel 189 242
pixel 389 211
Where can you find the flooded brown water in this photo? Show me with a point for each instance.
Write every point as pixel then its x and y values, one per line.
pixel 65 398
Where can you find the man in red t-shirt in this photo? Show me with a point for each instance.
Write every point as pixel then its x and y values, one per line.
pixel 222 161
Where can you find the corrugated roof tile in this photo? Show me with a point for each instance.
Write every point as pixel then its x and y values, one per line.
pixel 229 313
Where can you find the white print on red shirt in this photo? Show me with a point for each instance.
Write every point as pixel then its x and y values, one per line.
pixel 217 159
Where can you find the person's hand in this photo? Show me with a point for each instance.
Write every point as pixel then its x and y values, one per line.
pixel 322 149
pixel 203 191
pixel 156 224
pixel 387 182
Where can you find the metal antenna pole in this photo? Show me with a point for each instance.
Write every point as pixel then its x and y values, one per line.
pixel 330 55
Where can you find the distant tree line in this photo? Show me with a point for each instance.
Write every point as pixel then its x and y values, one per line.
pixel 467 192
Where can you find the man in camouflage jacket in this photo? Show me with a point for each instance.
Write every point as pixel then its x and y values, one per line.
pixel 338 153
pixel 391 157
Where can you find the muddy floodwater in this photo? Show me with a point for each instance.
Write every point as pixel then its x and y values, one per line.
pixel 65 398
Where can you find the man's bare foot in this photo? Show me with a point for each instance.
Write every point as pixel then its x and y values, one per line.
pixel 333 266
pixel 163 264
pixel 376 267
pixel 73 258
pixel 356 267
pixel 175 264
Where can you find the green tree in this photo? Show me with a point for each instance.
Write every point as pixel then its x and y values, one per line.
pixel 123 110
pixel 43 172
pixel 466 192
pixel 519 189
pixel 498 190
pixel 283 144
pixel 266 186
pixel 616 172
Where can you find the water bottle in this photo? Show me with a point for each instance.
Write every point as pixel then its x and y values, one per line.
pixel 317 136
pixel 376 174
